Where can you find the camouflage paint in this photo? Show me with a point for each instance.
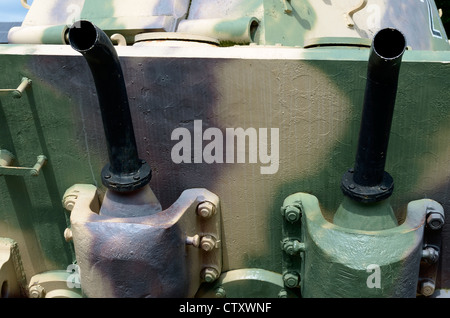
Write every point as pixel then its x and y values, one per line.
pixel 313 95
pixel 281 22
pixel 59 118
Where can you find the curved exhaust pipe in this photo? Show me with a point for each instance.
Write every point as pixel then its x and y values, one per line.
pixel 368 182
pixel 125 172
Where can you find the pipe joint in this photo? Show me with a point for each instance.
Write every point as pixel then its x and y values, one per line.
pixel 367 193
pixel 121 182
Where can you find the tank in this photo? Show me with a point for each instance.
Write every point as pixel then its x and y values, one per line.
pixel 225 149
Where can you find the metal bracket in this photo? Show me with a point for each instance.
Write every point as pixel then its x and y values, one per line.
pixel 6 159
pixel 156 251
pixel 17 92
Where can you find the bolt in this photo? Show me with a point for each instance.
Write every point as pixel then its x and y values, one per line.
pixel 291 279
pixel 208 243
pixel 430 254
pixel 68 235
pixel 427 288
pixel 206 209
pixel 435 220
pixel 283 293
pixel 289 248
pixel 220 292
pixel 36 291
pixel 69 201
pixel 210 274
pixel 292 247
pixel 193 240
pixel 292 213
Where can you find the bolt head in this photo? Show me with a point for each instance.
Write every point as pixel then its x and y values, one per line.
pixel 69 205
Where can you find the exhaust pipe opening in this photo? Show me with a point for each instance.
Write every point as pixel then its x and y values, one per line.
pixel 82 36
pixel 389 44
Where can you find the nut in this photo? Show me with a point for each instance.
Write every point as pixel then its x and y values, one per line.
pixel 36 291
pixel 206 209
pixel 283 293
pixel 292 247
pixel 435 220
pixel 220 292
pixel 210 274
pixel 292 213
pixel 291 279
pixel 208 243
pixel 430 254
pixel 69 202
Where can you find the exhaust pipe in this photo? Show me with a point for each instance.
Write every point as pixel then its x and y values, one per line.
pixel 367 181
pixel 125 172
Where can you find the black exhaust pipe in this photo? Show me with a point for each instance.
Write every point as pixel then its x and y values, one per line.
pixel 125 172
pixel 368 182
